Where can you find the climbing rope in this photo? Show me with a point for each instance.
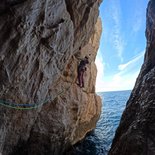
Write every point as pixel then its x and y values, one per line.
pixel 30 106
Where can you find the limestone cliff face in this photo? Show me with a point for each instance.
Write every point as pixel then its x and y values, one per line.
pixel 39 55
pixel 136 132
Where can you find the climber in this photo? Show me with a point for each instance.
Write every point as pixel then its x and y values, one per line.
pixel 81 69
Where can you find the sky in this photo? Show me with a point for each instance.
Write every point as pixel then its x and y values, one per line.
pixel 122 44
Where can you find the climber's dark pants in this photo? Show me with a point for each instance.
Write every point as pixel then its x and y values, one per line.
pixel 80 76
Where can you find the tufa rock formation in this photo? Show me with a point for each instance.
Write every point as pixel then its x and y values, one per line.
pixel 136 132
pixel 39 55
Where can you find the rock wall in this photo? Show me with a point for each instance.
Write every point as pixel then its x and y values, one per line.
pixel 136 132
pixel 39 55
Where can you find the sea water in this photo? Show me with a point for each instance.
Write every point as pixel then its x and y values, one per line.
pixel 98 142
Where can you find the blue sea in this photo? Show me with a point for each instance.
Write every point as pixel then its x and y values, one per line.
pixel 98 142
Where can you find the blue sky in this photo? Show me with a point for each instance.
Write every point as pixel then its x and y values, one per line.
pixel 122 44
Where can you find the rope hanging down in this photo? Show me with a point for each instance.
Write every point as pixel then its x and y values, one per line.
pixel 30 106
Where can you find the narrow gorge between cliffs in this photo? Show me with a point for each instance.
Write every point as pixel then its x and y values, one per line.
pixel 43 111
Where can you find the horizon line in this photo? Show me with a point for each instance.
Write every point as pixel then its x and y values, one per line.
pixel 113 91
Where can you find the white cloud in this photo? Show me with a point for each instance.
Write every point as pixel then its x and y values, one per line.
pixel 112 28
pixel 137 25
pixel 121 67
pixel 138 18
pixel 100 73
pixel 128 72
pixel 116 36
pixel 123 80
pixel 119 82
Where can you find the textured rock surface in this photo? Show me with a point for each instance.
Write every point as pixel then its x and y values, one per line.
pixel 39 54
pixel 136 132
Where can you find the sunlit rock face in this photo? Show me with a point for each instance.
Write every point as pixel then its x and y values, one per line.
pixel 39 55
pixel 136 132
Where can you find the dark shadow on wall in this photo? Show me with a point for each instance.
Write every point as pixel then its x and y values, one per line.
pixel 6 5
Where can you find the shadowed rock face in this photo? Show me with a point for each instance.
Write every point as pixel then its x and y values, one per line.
pixel 39 55
pixel 136 132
